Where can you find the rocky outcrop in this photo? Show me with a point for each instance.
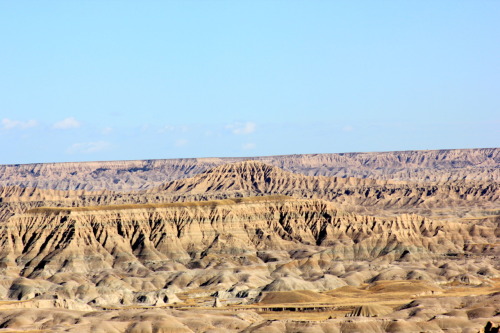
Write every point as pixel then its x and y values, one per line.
pixel 252 178
pixel 254 236
pixel 256 178
pixel 429 165
pixel 47 241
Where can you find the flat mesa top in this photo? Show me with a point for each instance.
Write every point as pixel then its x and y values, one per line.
pixel 213 203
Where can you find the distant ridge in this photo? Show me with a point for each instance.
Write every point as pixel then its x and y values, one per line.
pixel 482 164
pixel 250 178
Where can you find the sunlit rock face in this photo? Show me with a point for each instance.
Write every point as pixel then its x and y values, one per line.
pixel 424 165
pixel 89 239
pixel 408 241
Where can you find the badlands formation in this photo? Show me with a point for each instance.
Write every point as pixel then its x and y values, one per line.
pixel 361 242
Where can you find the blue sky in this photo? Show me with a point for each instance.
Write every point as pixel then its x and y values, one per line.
pixel 122 80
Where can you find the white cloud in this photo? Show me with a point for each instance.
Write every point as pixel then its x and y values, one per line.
pixel 242 128
pixel 10 124
pixel 170 128
pixel 107 130
pixel 248 146
pixel 88 147
pixel 67 123
pixel 166 128
pixel 181 142
pixel 348 128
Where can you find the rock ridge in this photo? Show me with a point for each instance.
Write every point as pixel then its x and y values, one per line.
pixel 482 164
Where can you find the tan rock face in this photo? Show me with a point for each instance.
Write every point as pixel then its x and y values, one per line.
pixel 142 239
pixel 102 237
pixel 437 165
pixel 367 196
pixel 363 195
pixel 253 237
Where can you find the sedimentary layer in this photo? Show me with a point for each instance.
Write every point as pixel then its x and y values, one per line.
pixel 203 245
pixel 434 165
pixel 45 241
pixel 252 178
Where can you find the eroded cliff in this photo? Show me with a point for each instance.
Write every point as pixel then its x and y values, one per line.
pixel 251 239
pixel 434 165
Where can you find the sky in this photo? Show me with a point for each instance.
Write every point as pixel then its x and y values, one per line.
pixel 126 80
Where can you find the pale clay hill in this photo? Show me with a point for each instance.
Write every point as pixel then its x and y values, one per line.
pixel 248 246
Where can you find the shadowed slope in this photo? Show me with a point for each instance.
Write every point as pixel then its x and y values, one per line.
pixel 49 240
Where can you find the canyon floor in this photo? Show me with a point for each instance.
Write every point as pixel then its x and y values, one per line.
pixel 358 242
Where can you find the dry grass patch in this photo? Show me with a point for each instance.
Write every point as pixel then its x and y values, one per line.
pixel 411 287
pixel 380 295
pixel 296 296
pixel 212 203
